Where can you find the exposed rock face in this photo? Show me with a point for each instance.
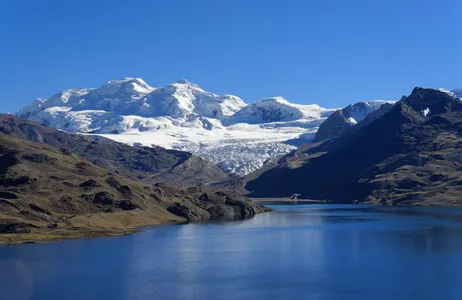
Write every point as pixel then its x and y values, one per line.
pixel 334 126
pixel 89 184
pixel 343 119
pixel 191 213
pixel 408 154
pixel 15 227
pixel 215 204
pixel 40 158
pixel 104 198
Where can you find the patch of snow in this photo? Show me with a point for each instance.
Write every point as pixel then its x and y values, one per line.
pixel 33 108
pixel 457 93
pixel 425 112
pixel 351 121
pixel 223 129
pixel 360 110
pixel 184 99
pixel 446 91
pixel 277 109
pixel 240 149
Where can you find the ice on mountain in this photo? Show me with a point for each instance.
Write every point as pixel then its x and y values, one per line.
pixel 425 112
pixel 450 93
pixel 352 121
pixel 457 93
pixel 223 129
pixel 360 110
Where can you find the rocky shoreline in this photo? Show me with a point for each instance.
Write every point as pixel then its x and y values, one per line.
pixel 98 230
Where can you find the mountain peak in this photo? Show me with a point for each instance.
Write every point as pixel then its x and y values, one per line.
pixel 340 122
pixel 186 82
pixel 450 93
pixel 457 93
pixel 130 84
pixel 136 80
pixel 431 91
pixel 417 89
pixel 401 154
pixel 277 99
pixel 436 100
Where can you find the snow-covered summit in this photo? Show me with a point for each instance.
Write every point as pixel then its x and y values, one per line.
pixel 33 108
pixel 185 99
pixel 357 111
pixel 277 109
pixel 223 129
pixel 186 82
pixel 341 120
pixel 457 93
pixel 133 96
pixel 137 86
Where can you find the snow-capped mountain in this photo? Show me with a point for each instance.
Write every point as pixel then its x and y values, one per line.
pixel 118 96
pixel 223 129
pixel 277 109
pixel 457 93
pixel 358 111
pixel 336 124
pixel 185 99
pixel 453 93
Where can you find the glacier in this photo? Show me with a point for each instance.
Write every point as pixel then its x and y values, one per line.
pixel 223 129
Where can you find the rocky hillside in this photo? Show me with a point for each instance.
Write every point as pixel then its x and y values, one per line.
pixel 53 193
pixel 411 153
pixel 343 119
pixel 149 164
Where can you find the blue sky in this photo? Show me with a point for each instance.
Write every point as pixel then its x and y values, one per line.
pixel 326 52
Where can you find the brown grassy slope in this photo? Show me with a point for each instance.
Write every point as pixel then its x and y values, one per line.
pixel 47 193
pixel 151 164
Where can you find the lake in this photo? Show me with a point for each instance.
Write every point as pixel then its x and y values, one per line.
pixel 325 252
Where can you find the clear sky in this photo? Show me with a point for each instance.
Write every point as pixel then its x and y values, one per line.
pixel 309 51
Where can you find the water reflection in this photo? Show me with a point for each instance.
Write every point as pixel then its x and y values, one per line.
pixel 296 252
pixel 77 269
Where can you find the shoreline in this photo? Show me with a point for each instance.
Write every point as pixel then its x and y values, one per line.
pixel 47 235
pixel 13 239
pixel 98 231
pixel 276 201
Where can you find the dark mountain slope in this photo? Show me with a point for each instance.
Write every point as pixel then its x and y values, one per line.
pixel 48 193
pixel 344 119
pixel 149 164
pixel 409 154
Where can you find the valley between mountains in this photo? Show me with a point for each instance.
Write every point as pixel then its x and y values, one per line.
pixel 105 161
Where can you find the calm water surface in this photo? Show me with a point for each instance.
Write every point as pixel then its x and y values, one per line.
pixel 325 252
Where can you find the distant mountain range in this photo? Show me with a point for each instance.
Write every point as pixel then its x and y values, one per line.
pixel 222 129
pixel 406 153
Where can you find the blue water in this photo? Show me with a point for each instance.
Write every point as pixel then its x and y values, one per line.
pixel 297 252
